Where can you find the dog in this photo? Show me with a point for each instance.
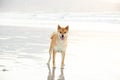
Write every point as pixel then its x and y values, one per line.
pixel 58 44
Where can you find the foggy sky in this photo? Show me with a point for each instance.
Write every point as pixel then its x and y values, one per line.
pixel 60 5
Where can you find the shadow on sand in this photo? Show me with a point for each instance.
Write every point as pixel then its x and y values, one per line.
pixel 51 74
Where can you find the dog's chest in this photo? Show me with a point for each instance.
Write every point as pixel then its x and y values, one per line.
pixel 60 46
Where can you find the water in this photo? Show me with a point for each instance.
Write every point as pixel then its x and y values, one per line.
pixel 92 53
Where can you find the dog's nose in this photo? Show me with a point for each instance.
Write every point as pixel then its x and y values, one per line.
pixel 62 35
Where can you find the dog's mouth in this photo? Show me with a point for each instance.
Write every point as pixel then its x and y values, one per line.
pixel 62 37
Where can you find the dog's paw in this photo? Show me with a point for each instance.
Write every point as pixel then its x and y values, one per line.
pixel 62 67
pixel 54 66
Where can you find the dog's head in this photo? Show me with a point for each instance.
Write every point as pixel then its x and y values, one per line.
pixel 63 32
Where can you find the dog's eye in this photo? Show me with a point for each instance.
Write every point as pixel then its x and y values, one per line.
pixel 60 32
pixel 64 32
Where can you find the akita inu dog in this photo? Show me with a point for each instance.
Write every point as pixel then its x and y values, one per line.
pixel 58 44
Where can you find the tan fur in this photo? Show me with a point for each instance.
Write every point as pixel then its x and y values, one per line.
pixel 58 44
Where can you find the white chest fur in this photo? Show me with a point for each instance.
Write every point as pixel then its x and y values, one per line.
pixel 60 46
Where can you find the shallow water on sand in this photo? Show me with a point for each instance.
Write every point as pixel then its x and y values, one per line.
pixel 91 55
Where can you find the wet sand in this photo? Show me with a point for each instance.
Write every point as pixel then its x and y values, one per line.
pixel 91 55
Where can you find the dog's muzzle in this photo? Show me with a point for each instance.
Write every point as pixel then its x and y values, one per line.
pixel 62 37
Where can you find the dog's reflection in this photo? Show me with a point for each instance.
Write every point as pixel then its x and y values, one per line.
pixel 61 76
pixel 51 74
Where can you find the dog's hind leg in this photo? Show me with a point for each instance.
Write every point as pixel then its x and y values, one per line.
pixel 54 54
pixel 49 56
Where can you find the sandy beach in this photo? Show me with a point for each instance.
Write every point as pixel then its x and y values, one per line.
pixel 93 51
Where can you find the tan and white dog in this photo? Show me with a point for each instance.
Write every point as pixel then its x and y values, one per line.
pixel 58 44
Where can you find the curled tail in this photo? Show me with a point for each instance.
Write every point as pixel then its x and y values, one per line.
pixel 53 34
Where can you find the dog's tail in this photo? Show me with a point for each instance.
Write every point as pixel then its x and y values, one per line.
pixel 53 34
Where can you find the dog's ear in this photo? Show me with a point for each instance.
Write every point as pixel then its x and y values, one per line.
pixel 59 26
pixel 67 27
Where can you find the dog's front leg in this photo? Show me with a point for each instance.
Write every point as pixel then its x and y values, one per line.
pixel 63 58
pixel 54 54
